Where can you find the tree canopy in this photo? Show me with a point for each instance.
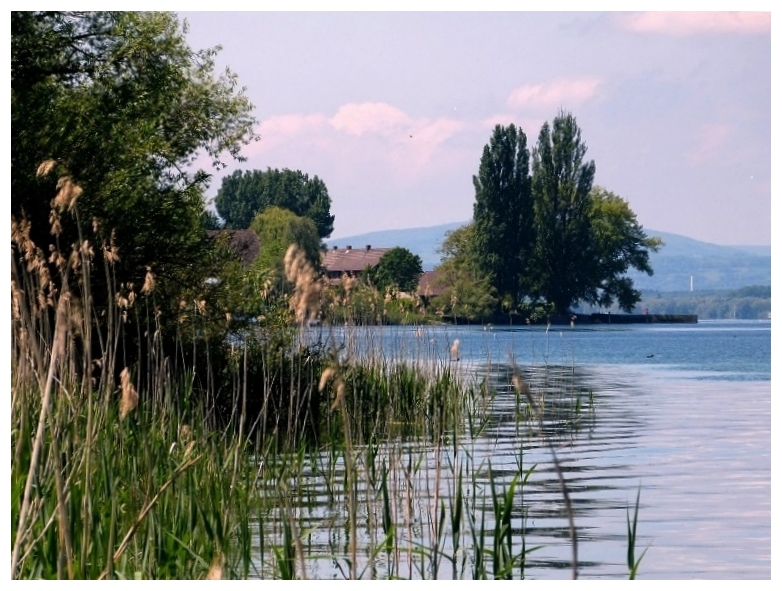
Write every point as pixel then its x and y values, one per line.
pixel 277 229
pixel 547 235
pixel 502 214
pixel 561 185
pixel 108 112
pixel 618 243
pixel 243 195
pixel 467 291
pixel 398 269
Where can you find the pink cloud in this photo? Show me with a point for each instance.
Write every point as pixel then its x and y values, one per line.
pixel 379 139
pixel 285 125
pixel 429 134
pixel 362 118
pixel 279 130
pixel 421 151
pixel 384 120
pixel 712 140
pixel 693 23
pixel 556 93
pixel 367 132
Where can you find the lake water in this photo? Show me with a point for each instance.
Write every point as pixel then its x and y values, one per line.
pixel 682 412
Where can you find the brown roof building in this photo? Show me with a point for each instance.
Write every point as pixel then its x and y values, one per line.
pixel 350 261
pixel 428 284
pixel 242 243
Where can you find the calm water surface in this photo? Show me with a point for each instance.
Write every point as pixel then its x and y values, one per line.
pixel 681 411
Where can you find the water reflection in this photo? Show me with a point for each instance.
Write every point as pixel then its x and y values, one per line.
pixel 698 448
pixel 573 418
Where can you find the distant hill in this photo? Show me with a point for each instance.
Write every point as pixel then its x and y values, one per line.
pixel 712 266
pixel 421 241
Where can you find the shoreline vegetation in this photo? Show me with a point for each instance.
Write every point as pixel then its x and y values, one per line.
pixel 169 419
pixel 183 466
pixel 573 319
pixel 138 457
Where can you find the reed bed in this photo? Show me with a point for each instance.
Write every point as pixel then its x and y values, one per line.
pixel 303 454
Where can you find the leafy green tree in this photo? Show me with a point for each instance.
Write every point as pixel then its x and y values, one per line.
pixel 398 269
pixel 587 238
pixel 561 185
pixel 458 253
pixel 114 107
pixel 277 229
pixel 467 292
pixel 548 237
pixel 243 195
pixel 502 214
pixel 618 243
pixel 466 298
pixel 210 221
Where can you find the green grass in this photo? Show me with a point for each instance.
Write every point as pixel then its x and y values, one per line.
pixel 149 497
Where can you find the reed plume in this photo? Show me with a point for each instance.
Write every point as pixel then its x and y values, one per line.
pixel 149 282
pixel 129 399
pixel 67 193
pixel 45 167
pixel 455 350
pixel 307 286
pixel 327 374
pixel 216 568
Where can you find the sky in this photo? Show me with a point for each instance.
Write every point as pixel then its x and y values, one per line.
pixel 392 110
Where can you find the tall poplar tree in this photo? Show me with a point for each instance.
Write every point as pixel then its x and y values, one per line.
pixel 550 236
pixel 587 238
pixel 502 214
pixel 561 185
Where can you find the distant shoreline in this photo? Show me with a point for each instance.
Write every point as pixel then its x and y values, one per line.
pixel 597 318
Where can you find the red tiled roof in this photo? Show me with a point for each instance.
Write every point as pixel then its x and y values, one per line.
pixel 352 260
